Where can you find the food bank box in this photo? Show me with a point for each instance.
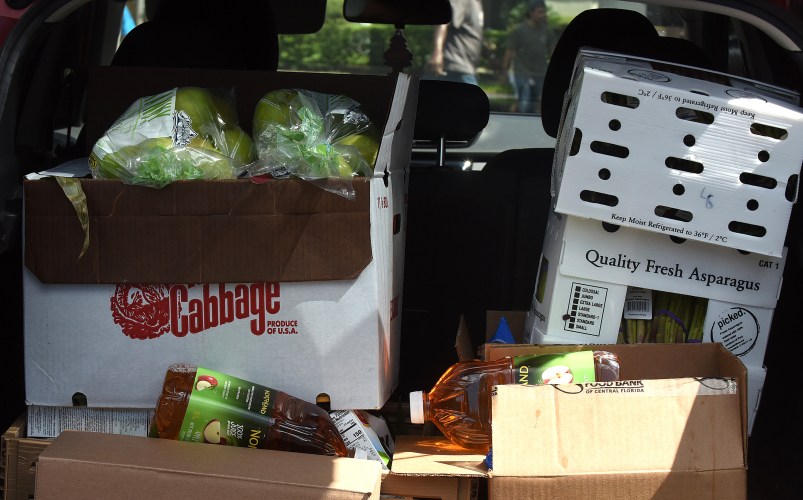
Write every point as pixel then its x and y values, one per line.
pixel 90 465
pixel 695 446
pixel 698 450
pixel 280 283
pixel 708 157
pixel 587 267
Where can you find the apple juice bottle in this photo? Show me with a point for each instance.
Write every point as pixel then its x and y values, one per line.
pixel 205 406
pixel 459 403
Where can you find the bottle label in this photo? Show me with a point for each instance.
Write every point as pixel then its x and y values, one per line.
pixel 227 410
pixel 562 368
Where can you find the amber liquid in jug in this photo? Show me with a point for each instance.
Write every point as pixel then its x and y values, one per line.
pixel 206 406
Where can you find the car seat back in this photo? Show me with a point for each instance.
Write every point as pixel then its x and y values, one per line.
pixel 213 34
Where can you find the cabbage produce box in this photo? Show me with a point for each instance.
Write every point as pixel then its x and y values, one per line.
pixel 278 282
pixel 588 267
pixel 679 151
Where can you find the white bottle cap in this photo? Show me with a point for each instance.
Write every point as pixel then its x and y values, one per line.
pixel 417 407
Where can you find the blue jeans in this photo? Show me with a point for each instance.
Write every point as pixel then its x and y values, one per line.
pixel 528 92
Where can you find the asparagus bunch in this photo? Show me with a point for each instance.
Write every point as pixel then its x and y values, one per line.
pixel 676 319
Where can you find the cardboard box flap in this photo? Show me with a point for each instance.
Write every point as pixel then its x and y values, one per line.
pixel 435 456
pixel 197 232
pixel 71 466
pixel 687 424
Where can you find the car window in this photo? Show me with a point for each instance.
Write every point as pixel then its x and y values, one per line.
pixel 509 34
pixel 517 37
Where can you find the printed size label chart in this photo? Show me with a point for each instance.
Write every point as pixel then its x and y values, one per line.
pixel 586 305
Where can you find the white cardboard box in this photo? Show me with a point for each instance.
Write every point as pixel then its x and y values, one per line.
pixel 366 433
pixel 338 337
pixel 644 146
pixel 586 270
pixel 756 376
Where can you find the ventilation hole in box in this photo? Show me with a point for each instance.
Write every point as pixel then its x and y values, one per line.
pixel 700 92
pixel 791 188
pixel 752 205
pixel 577 140
pixel 673 213
pixel 385 178
pixel 689 140
pixel 747 229
pixel 678 189
pixel 677 239
pixel 743 252
pixel 614 125
pixel 324 401
pixel 604 174
pixel 765 130
pixel 626 101
pixel 606 148
pixel 79 399
pixel 611 228
pixel 693 167
pixel 763 156
pixel 694 115
pixel 599 198
pixel 761 181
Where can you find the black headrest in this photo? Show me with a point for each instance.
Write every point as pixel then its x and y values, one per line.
pixel 617 30
pixel 453 111
pixel 210 34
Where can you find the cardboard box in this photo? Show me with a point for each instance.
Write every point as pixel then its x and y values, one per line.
pixel 586 269
pixel 708 157
pixel 756 376
pixel 90 465
pixel 679 426
pixel 692 447
pixel 367 434
pixel 18 455
pixel 700 452
pixel 280 283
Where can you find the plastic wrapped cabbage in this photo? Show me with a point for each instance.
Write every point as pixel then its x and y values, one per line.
pixel 182 134
pixel 313 135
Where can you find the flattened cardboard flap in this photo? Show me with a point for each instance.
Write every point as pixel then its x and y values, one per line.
pixel 86 465
pixel 198 232
pixel 686 424
pixel 435 456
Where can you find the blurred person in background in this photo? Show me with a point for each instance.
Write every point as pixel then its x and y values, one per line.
pixel 529 46
pixel 457 46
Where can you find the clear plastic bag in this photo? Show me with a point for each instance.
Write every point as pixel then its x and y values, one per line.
pixel 323 138
pixel 182 134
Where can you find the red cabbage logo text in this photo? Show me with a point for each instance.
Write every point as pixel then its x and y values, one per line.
pixel 149 311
